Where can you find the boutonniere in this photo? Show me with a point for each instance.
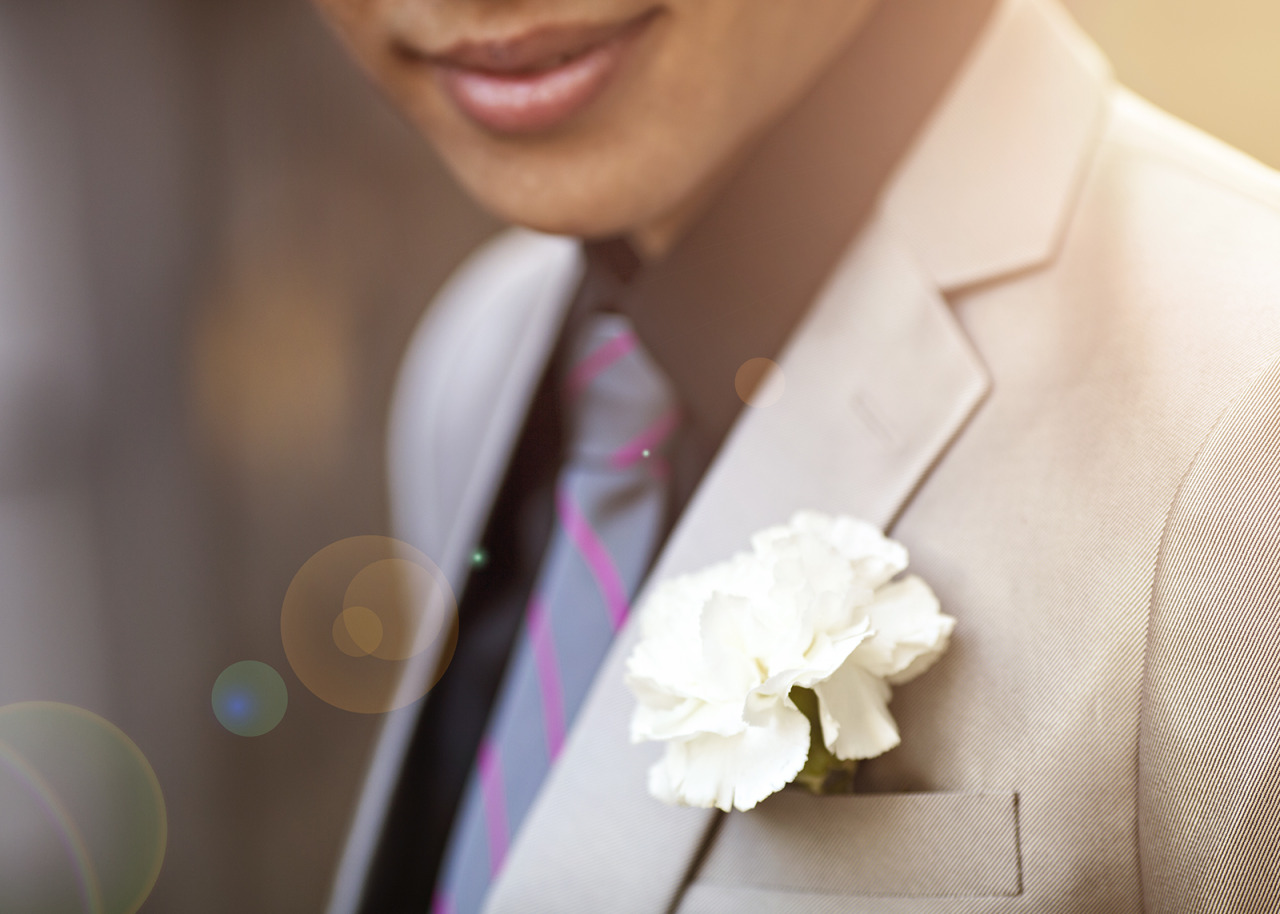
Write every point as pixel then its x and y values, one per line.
pixel 776 665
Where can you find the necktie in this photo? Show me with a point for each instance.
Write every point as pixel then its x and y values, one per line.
pixel 611 498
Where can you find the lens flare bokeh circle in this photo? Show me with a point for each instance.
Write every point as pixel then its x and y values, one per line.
pixel 760 383
pixel 249 698
pixel 369 624
pixel 83 826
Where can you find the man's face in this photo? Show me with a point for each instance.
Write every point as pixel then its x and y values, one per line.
pixel 594 117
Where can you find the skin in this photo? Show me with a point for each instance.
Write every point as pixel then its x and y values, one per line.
pixel 702 81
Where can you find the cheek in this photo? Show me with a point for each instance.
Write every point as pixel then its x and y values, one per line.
pixel 361 27
pixel 349 18
pixel 732 66
pixel 765 53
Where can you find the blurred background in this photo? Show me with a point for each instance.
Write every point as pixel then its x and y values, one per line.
pixel 214 241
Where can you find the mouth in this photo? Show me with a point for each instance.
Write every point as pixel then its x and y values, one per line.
pixel 533 82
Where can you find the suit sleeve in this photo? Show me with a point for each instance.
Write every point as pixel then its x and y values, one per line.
pixel 1209 744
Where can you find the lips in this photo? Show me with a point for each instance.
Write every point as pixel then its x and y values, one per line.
pixel 538 80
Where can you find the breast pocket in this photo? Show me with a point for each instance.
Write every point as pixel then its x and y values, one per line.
pixel 904 844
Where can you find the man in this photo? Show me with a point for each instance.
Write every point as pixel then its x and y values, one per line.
pixel 1026 324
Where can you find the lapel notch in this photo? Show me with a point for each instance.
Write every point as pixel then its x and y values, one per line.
pixel 879 378
pixel 989 186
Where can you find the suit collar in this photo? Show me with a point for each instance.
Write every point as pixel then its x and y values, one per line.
pixel 990 184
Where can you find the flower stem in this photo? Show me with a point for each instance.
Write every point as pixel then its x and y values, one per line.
pixel 823 773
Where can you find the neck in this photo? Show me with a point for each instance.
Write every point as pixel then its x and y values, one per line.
pixel 864 111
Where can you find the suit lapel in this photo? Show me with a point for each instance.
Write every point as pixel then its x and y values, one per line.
pixel 990 185
pixel 879 380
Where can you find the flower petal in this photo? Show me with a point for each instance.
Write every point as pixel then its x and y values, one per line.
pixel 856 723
pixel 728 631
pixel 814 604
pixel 733 772
pixel 910 632
pixel 661 716
pixel 876 557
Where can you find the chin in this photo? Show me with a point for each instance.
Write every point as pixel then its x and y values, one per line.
pixel 592 220
pixel 584 198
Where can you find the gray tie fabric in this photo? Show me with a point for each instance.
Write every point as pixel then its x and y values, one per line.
pixel 611 498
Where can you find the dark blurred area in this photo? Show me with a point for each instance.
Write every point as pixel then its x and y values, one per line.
pixel 214 242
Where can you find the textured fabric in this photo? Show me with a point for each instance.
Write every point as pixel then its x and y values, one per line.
pixel 927 845
pixel 610 504
pixel 1210 739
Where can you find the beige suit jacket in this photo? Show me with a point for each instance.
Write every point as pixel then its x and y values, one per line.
pixel 1046 366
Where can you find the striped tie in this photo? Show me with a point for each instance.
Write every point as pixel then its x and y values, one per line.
pixel 610 505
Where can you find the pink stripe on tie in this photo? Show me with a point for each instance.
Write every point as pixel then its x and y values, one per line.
pixel 495 804
pixel 544 657
pixel 442 903
pixel 650 439
pixel 598 362
pixel 597 558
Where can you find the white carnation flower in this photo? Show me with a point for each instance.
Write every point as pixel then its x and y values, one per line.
pixel 814 605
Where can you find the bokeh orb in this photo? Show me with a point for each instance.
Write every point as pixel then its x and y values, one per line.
pixel 760 383
pixel 83 826
pixel 357 631
pixel 249 698
pixel 369 624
